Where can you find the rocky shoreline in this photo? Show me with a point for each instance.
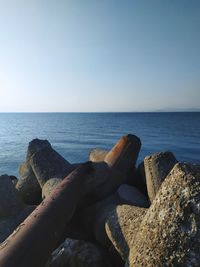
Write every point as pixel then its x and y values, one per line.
pixel 102 213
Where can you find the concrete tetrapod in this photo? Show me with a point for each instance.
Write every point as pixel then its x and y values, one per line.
pixel 34 240
pixel 47 163
pixel 117 164
pixel 122 227
pixel 49 186
pixel 28 185
pixel 124 154
pixel 169 234
pixel 97 155
pixel 77 253
pixel 157 167
pixel 12 209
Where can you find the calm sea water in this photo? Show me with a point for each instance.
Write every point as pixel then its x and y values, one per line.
pixel 73 135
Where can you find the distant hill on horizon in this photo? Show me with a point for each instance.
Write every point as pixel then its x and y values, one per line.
pixel 178 110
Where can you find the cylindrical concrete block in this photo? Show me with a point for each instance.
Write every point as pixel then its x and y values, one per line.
pixel 34 240
pixel 124 154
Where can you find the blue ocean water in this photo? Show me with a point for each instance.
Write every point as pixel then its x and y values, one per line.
pixel 73 135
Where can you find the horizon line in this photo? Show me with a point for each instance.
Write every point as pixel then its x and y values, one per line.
pixel 153 111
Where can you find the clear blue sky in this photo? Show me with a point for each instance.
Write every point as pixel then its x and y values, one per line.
pixel 105 55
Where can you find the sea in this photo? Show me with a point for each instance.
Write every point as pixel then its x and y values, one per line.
pixel 73 135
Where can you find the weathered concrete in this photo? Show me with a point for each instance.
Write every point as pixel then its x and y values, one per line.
pixel 132 196
pixel 34 240
pixel 157 167
pixel 124 154
pixel 47 163
pixel 122 226
pixel 97 154
pixel 117 165
pixel 77 253
pixel 36 145
pixel 96 179
pixel 169 234
pixel 28 185
pixel 49 186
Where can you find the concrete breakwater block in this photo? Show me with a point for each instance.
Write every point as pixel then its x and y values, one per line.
pixel 122 227
pixel 157 167
pixel 169 234
pixel 36 145
pixel 98 215
pixel 97 154
pixel 47 163
pixel 75 253
pixel 12 209
pixel 124 154
pixel 34 240
pixel 49 186
pixel 52 216
pixel 117 164
pixel 28 185
pixel 42 163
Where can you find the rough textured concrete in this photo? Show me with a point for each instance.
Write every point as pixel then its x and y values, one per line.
pixel 131 195
pixel 124 154
pixel 47 163
pixel 28 185
pixel 36 145
pixel 122 226
pixel 97 155
pixel 157 167
pixel 76 253
pixel 169 234
pixel 49 186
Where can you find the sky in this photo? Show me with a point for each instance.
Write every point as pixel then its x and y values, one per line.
pixel 99 55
